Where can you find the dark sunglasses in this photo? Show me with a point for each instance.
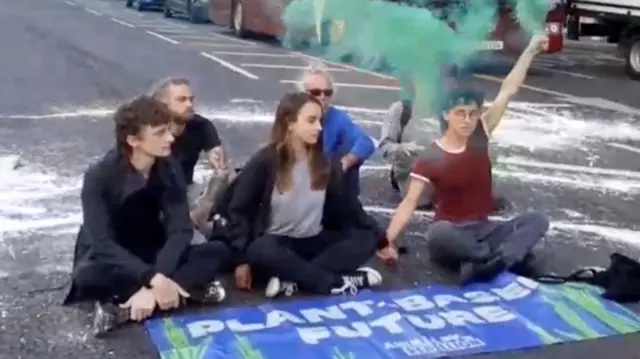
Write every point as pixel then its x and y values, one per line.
pixel 318 92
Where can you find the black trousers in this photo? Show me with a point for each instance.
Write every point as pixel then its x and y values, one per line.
pixel 198 267
pixel 316 264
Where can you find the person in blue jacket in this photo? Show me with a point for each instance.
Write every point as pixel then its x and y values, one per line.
pixel 342 138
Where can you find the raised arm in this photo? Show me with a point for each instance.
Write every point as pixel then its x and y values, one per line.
pixel 511 84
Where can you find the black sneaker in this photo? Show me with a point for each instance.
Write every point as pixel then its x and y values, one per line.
pixel 363 277
pixel 107 317
pixel 276 287
pixel 473 272
pixel 213 293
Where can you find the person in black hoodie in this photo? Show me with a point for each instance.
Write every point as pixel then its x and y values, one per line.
pixel 290 217
pixel 133 248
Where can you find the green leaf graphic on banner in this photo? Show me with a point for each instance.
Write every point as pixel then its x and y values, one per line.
pixel 595 307
pixel 246 349
pixel 337 354
pixel 181 347
pixel 560 306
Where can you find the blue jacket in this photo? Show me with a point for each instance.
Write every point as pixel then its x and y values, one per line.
pixel 341 136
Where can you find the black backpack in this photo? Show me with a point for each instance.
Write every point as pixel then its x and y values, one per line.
pixel 620 281
pixel 405 117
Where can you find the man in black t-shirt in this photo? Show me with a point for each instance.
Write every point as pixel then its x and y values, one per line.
pixel 193 134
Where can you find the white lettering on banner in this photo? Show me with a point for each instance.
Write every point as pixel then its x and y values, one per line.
pixel 434 345
pixel 391 317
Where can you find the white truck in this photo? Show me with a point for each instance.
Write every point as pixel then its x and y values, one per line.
pixel 617 20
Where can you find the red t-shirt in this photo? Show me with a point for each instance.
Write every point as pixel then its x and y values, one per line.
pixel 461 181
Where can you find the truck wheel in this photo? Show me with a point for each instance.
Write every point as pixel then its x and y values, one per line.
pixel 632 58
pixel 237 19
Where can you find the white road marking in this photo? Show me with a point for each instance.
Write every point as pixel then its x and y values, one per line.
pixel 230 66
pixel 624 147
pixel 292 67
pixel 213 44
pixel 91 11
pixel 563 72
pixel 348 85
pixel 71 3
pixel 162 37
pixel 124 23
pixel 232 39
pixel 528 162
pixel 256 54
pixel 363 110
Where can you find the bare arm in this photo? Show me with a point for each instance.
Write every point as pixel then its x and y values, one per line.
pixel 407 206
pixel 511 84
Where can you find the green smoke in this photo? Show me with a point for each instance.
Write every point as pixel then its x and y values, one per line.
pixel 413 39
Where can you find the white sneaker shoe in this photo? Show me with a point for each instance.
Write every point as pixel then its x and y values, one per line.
pixel 276 287
pixel 363 277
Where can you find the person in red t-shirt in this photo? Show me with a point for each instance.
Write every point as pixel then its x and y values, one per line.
pixel 457 168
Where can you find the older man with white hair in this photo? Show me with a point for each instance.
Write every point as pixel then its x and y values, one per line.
pixel 342 138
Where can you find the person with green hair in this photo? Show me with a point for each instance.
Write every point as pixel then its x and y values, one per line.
pixel 456 168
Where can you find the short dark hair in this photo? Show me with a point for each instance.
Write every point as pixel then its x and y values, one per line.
pixel 131 117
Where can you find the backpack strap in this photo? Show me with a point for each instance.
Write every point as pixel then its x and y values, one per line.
pixel 584 275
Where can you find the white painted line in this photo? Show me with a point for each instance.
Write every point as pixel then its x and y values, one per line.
pixel 365 86
pixel 169 30
pixel 195 37
pixel 232 39
pixel 160 24
pixel 124 23
pixel 363 110
pixel 527 162
pixel 292 67
pixel 346 66
pixel 161 37
pixel 71 3
pixel 258 54
pixel 568 73
pixel 91 11
pixel 212 44
pixel 624 147
pixel 230 66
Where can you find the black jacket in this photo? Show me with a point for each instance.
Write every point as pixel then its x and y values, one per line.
pixel 248 209
pixel 140 227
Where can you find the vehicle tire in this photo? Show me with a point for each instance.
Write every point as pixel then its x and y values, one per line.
pixel 166 11
pixel 237 19
pixel 193 16
pixel 632 58
pixel 129 3
pixel 137 4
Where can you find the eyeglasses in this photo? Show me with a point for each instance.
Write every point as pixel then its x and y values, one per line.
pixel 318 92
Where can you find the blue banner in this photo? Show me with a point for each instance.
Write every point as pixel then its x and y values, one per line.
pixel 427 322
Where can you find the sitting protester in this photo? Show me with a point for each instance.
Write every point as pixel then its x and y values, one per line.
pixel 407 131
pixel 133 248
pixel 193 134
pixel 457 168
pixel 291 216
pixel 342 139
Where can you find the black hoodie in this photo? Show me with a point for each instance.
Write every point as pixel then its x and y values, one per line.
pixel 139 227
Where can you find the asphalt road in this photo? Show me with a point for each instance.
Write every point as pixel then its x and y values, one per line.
pixel 569 148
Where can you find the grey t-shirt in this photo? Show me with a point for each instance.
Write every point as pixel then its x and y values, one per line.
pixel 421 129
pixel 298 212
